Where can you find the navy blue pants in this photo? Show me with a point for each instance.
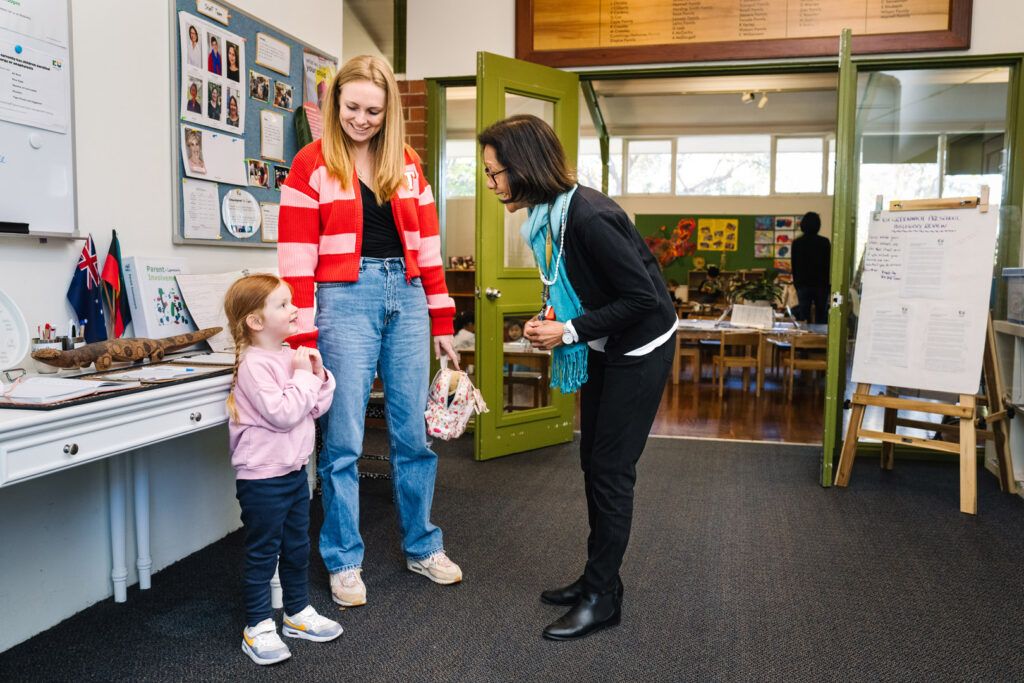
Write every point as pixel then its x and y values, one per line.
pixel 275 513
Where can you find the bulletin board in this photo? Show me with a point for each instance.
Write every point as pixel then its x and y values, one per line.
pixel 761 241
pixel 37 126
pixel 230 156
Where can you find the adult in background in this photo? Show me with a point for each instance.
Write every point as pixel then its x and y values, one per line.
pixel 358 220
pixel 612 338
pixel 812 261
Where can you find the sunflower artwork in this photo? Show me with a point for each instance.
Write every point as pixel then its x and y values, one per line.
pixel 676 245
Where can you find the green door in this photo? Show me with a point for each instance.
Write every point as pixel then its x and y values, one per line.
pixel 843 234
pixel 525 413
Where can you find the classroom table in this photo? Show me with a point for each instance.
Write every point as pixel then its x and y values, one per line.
pixel 698 330
pixel 515 354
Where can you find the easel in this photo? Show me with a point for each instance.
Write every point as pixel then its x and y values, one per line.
pixel 964 410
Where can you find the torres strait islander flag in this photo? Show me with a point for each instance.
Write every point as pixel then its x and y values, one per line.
pixel 84 294
pixel 113 287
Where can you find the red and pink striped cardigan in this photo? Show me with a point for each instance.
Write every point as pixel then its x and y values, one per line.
pixel 320 237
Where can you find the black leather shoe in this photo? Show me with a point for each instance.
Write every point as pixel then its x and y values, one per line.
pixel 569 595
pixel 591 613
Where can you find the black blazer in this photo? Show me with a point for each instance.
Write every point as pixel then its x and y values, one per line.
pixel 615 276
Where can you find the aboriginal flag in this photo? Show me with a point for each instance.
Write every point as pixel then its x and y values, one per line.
pixel 113 288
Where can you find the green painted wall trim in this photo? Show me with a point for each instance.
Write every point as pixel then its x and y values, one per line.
pixel 594 107
pixel 399 37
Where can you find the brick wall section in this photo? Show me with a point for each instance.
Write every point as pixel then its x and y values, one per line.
pixel 414 104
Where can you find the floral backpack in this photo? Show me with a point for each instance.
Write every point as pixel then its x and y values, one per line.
pixel 451 401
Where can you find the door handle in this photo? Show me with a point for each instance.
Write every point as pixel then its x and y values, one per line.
pixel 492 294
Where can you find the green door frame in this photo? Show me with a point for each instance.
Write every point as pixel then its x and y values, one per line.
pixel 1009 241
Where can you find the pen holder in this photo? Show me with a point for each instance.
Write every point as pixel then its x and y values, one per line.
pixel 37 344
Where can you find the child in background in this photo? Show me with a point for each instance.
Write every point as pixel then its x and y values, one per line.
pixel 465 331
pixel 513 330
pixel 275 395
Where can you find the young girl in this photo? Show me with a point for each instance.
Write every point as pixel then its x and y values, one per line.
pixel 275 395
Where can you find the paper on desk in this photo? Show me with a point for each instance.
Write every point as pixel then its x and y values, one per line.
pixel 204 297
pixel 210 359
pixel 38 390
pixel 159 373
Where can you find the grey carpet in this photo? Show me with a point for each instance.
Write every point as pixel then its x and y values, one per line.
pixel 741 567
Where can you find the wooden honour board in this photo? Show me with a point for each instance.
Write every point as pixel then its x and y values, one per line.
pixel 594 32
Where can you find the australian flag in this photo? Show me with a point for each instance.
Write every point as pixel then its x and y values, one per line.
pixel 86 296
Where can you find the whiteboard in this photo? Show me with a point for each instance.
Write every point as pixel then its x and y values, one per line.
pixel 37 159
pixel 925 301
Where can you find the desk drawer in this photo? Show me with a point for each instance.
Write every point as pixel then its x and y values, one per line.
pixel 56 449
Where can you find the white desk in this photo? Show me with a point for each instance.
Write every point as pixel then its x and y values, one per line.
pixel 34 443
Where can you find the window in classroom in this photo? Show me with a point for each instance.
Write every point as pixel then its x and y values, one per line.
pixel 736 165
pixel 798 164
pixel 649 166
pixel 460 168
pixel 831 185
pixel 588 171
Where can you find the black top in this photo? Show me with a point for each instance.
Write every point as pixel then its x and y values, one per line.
pixel 380 232
pixel 812 256
pixel 615 276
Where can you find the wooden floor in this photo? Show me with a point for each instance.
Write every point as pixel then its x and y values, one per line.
pixel 694 410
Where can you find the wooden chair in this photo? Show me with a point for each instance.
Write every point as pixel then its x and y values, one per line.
pixel 816 347
pixel 690 351
pixel 737 350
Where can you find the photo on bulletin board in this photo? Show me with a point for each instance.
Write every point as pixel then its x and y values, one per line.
pixel 282 95
pixel 259 173
pixel 205 72
pixel 280 174
pixel 705 233
pixel 233 101
pixel 259 87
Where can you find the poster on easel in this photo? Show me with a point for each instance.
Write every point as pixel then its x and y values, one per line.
pixel 925 299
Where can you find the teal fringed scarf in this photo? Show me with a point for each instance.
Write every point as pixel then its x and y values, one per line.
pixel 568 362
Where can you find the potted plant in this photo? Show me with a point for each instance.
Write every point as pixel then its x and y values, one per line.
pixel 764 289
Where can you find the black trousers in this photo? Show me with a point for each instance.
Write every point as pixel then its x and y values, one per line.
pixel 817 295
pixel 618 404
pixel 275 513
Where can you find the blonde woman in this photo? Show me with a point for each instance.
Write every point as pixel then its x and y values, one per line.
pixel 358 230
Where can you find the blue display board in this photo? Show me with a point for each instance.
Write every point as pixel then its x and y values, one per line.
pixel 220 141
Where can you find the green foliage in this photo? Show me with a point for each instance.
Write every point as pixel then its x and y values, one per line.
pixel 763 289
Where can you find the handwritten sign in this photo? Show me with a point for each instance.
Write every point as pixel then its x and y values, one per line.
pixel 924 305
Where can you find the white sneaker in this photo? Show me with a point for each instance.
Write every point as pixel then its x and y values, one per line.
pixel 348 589
pixel 263 645
pixel 438 568
pixel 309 625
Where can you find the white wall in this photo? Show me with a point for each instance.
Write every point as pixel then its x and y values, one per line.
pixel 490 26
pixel 54 542
pixel 356 39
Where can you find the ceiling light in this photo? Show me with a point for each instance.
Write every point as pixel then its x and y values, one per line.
pixel 747 97
pixel 761 103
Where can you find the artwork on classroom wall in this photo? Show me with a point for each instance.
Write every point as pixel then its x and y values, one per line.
pixel 318 72
pixel 764 250
pixel 764 237
pixel 705 233
pixel 783 250
pixel 763 223
pixel 259 87
pixel 717 234
pixel 784 268
pixel 212 60
pixel 783 237
pixel 785 222
pixel 212 156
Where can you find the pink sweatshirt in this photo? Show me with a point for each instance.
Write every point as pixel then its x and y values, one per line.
pixel 276 408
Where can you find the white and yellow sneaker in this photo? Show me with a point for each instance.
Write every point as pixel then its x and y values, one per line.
pixel 263 645
pixel 438 568
pixel 310 625
pixel 348 589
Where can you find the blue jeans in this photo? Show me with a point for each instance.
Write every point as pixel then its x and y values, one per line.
pixel 378 323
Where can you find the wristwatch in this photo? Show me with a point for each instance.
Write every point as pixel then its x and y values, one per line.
pixel 567 336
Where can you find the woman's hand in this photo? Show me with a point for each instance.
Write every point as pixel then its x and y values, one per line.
pixel 544 334
pixel 446 343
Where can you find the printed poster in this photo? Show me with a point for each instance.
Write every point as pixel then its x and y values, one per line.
pixel 208 155
pixel 317 73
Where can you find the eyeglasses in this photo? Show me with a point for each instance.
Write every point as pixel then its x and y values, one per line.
pixel 491 175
